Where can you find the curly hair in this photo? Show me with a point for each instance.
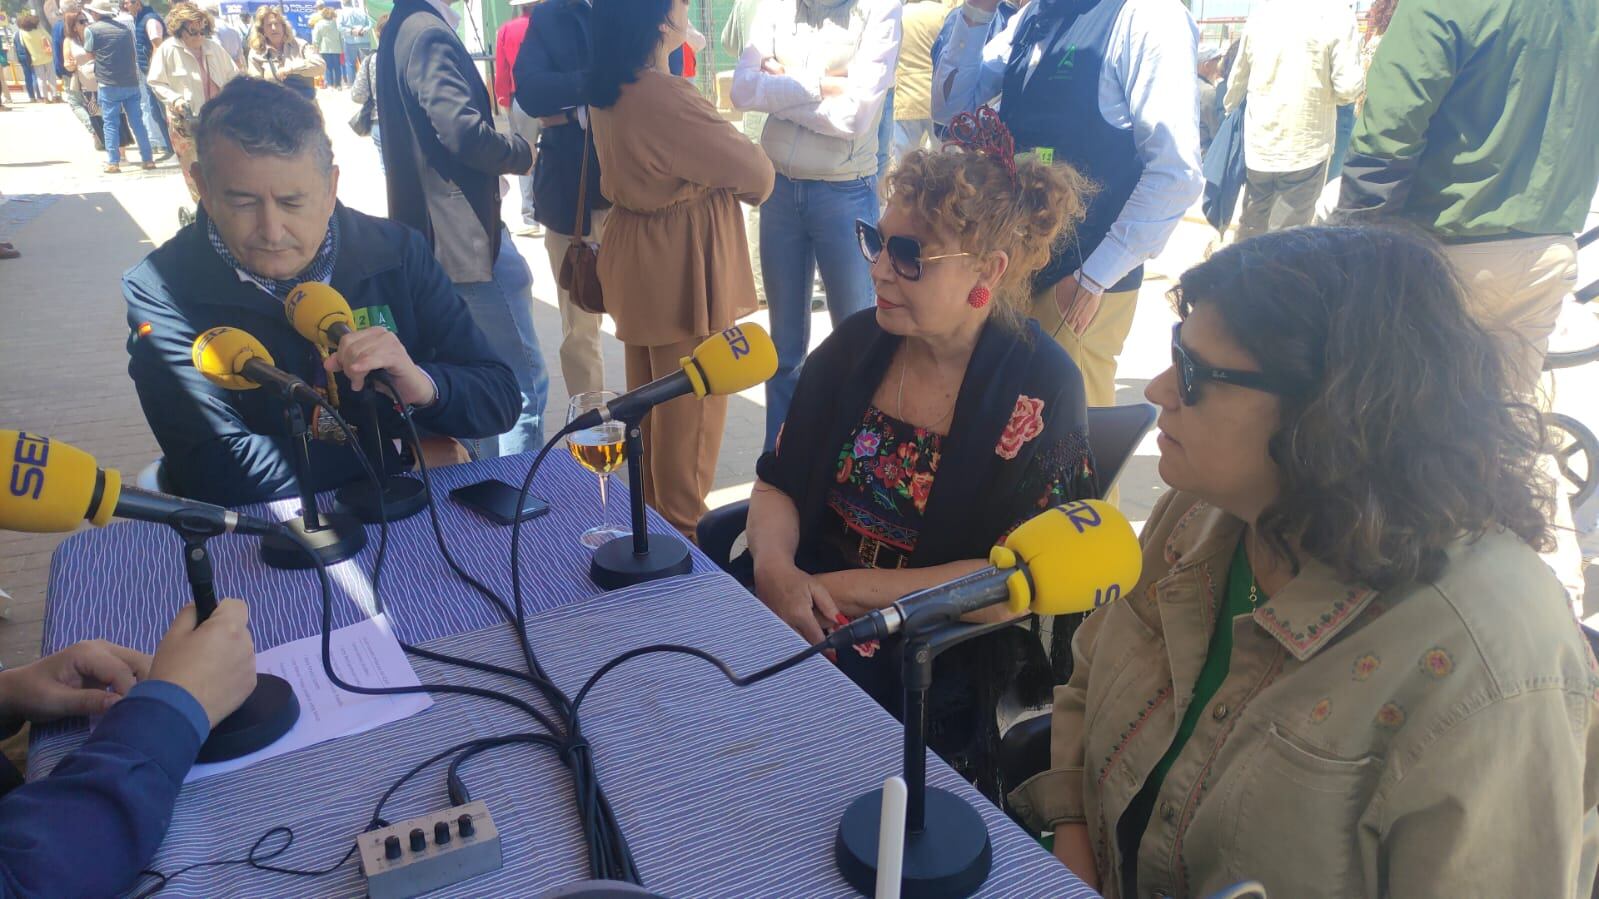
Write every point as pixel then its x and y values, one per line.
pixel 190 14
pixel 1402 435
pixel 972 198
pixel 1378 17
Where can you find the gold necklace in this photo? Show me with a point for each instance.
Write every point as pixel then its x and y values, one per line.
pixel 899 397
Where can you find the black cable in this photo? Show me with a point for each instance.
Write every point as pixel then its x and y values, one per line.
pixel 251 858
pixel 701 654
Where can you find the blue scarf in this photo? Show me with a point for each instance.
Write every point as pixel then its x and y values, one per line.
pixel 320 269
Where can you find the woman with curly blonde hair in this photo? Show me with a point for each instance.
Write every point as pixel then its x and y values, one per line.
pixel 925 429
pixel 277 54
pixel 184 73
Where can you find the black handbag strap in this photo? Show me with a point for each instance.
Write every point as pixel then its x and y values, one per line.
pixel 583 179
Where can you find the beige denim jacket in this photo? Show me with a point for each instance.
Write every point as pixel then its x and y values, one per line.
pixel 1435 741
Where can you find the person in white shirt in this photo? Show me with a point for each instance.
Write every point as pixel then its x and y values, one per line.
pixel 1300 61
pixel 1108 87
pixel 821 69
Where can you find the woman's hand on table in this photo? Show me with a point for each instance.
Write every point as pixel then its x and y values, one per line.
pixel 801 600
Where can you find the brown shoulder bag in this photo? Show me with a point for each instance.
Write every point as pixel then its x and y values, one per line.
pixel 580 270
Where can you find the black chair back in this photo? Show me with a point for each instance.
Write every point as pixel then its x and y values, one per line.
pixel 1114 432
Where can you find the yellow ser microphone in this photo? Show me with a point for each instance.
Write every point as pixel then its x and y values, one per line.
pixel 320 314
pixel 235 360
pixel 1071 558
pixel 52 486
pixel 736 359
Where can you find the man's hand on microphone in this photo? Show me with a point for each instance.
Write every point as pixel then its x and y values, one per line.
pixel 370 349
pixel 215 661
pixel 84 679
pixel 800 599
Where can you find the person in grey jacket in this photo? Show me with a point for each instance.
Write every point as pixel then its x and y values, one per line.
pixel 443 159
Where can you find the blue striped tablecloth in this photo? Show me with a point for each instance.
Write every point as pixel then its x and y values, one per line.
pixel 721 791
pixel 124 583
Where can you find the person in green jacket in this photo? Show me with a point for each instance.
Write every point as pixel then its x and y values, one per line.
pixel 329 42
pixel 1481 125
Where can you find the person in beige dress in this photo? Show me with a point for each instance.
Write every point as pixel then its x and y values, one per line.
pixel 674 263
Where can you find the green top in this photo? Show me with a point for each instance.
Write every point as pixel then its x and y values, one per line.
pixel 325 35
pixel 1218 659
pixel 1482 118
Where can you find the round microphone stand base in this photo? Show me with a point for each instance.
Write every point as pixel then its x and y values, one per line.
pixel 339 537
pixel 949 857
pixel 402 498
pixel 267 715
pixel 616 566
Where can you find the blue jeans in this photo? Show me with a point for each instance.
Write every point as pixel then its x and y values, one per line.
pixel 334 69
pixel 806 225
pixel 885 135
pixel 155 118
pixel 114 101
pixel 353 54
pixel 503 311
pixel 1341 138
pixel 377 141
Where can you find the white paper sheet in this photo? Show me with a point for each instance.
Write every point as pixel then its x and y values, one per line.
pixel 366 654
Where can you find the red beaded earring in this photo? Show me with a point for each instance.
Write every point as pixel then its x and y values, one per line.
pixel 978 298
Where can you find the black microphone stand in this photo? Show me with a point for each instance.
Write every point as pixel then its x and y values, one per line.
pixel 947 849
pixel 336 536
pixel 630 560
pixel 272 708
pixel 400 496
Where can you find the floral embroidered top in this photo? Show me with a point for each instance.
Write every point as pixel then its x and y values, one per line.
pixel 885 475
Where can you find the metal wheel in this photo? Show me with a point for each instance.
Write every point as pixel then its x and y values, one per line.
pixel 1575 340
pixel 1576 450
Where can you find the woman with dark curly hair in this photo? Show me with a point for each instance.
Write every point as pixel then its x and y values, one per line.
pixel 925 430
pixel 1345 672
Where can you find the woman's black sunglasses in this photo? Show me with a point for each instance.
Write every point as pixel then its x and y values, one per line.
pixel 1191 374
pixel 904 253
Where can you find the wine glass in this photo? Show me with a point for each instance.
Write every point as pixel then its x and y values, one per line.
pixel 601 450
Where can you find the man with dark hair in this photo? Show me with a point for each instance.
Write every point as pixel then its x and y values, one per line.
pixel 269 221
pixel 443 160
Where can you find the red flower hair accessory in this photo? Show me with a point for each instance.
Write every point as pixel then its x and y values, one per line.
pixel 982 132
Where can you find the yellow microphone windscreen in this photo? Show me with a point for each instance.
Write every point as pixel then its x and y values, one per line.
pixel 313 307
pixel 736 359
pixel 220 354
pixel 1081 555
pixel 52 486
